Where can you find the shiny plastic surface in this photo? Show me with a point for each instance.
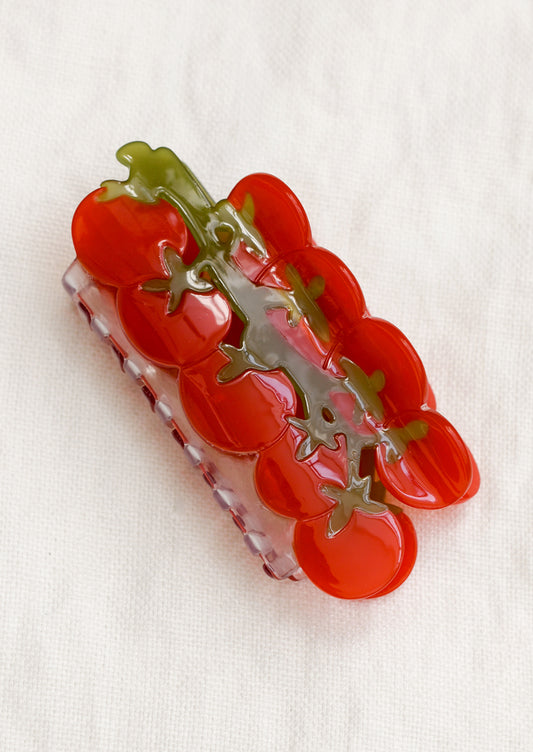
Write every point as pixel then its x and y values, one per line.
pixel 276 360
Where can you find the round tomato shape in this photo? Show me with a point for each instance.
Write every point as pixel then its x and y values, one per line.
pixel 276 213
pixel 433 471
pixel 360 561
pixel 292 487
pixel 243 415
pixel 121 242
pixel 376 345
pixel 180 338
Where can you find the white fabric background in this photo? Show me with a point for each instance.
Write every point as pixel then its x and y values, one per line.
pixel 131 615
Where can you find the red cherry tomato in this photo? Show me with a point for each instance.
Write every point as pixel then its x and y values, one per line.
pixel 120 242
pixel 360 561
pixel 376 345
pixel 434 471
pixel 291 487
pixel 341 302
pixel 243 415
pixel 277 215
pixel 181 338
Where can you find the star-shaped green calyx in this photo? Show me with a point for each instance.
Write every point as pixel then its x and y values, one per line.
pixel 180 278
pixel 241 360
pixel 318 432
pixel 356 495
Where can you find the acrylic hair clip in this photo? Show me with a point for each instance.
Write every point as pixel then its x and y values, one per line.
pixel 309 418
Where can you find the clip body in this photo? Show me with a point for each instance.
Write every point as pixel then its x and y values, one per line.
pixel 307 416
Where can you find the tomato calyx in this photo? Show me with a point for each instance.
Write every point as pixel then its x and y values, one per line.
pixel 180 278
pixel 318 430
pixel 356 495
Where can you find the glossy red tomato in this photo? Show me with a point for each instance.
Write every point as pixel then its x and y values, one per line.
pixel 121 242
pixel 360 561
pixel 181 338
pixel 432 472
pixel 292 487
pixel 243 415
pixel 376 345
pixel 276 213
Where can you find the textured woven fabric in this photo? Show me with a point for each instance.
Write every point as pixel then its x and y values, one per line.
pixel 131 616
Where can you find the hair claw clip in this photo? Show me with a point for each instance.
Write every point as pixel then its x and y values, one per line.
pixel 308 417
